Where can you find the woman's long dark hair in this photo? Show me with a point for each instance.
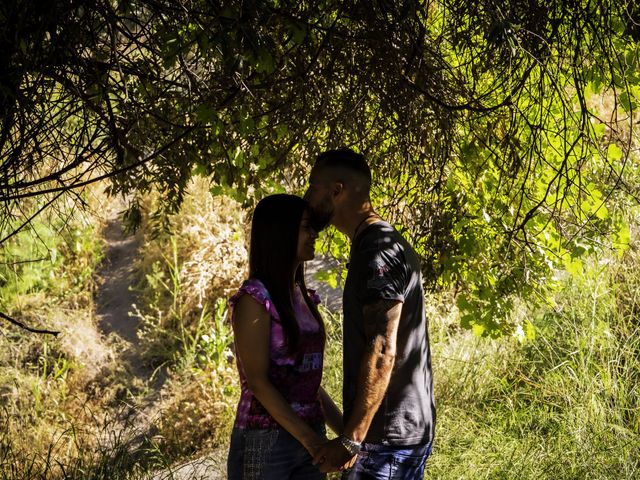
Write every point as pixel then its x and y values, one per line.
pixel 273 258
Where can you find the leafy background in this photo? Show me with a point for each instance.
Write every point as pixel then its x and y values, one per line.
pixel 504 144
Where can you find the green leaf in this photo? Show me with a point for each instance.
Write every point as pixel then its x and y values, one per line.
pixel 622 239
pixel 529 330
pixel 572 266
pixel 478 329
pixel 237 157
pixel 264 62
pixel 466 321
pixel 601 211
pixel 330 277
pixel 628 102
pixel 614 153
pixel 577 251
pixel 463 303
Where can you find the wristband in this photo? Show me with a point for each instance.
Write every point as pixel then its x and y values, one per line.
pixel 352 446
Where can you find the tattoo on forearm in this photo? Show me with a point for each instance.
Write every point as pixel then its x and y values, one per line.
pixel 379 324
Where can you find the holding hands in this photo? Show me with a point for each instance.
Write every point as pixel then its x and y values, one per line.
pixel 333 456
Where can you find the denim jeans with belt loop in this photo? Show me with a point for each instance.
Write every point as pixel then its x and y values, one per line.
pixel 270 454
pixel 381 462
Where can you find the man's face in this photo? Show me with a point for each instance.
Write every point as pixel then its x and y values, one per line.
pixel 320 200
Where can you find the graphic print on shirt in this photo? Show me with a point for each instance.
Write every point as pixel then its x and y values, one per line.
pixel 311 361
pixel 379 270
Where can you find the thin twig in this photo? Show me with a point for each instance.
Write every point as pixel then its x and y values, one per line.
pixel 26 327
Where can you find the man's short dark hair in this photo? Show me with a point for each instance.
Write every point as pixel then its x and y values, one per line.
pixel 344 158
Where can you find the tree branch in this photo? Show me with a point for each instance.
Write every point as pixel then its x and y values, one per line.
pixel 26 327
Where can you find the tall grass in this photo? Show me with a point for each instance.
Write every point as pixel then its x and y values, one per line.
pixel 187 268
pixel 47 385
pixel 564 406
pixel 107 451
pixel 188 271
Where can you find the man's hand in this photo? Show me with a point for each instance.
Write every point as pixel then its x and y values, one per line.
pixel 333 457
pixel 314 446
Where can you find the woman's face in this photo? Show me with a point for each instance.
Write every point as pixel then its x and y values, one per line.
pixel 306 239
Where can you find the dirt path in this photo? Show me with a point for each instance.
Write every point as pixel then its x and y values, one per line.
pixel 115 299
pixel 331 297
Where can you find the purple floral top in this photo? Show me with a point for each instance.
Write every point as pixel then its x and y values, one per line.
pixel 296 376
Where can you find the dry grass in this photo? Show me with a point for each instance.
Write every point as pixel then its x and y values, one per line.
pixel 57 393
pixel 187 276
pixel 565 405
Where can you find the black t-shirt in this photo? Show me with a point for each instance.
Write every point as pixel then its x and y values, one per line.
pixel 384 266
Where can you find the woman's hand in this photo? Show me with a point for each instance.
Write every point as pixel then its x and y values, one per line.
pixel 333 457
pixel 315 444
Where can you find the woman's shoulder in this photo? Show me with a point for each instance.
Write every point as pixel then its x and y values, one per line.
pixel 258 292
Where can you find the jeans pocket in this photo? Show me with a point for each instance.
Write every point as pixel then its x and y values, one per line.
pixel 408 466
pixel 258 445
pixel 408 460
pixel 375 464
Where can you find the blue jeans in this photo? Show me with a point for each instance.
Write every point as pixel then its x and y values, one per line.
pixel 270 454
pixel 380 462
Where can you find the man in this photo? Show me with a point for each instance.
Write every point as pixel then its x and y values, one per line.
pixel 389 410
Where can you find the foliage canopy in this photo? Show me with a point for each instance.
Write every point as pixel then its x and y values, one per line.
pixel 501 133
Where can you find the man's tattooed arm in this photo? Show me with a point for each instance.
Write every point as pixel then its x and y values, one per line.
pixel 381 321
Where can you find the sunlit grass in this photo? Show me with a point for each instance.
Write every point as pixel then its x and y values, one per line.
pixel 565 405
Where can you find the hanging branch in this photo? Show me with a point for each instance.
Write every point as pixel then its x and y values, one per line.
pixel 26 327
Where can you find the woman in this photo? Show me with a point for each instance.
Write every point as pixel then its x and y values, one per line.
pixel 279 340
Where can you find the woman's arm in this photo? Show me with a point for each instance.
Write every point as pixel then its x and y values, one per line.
pixel 252 329
pixel 332 413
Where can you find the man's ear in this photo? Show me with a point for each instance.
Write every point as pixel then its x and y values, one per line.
pixel 338 188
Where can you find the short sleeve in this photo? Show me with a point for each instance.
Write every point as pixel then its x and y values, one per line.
pixel 256 289
pixel 380 269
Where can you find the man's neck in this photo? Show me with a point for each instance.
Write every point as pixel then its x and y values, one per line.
pixel 353 222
